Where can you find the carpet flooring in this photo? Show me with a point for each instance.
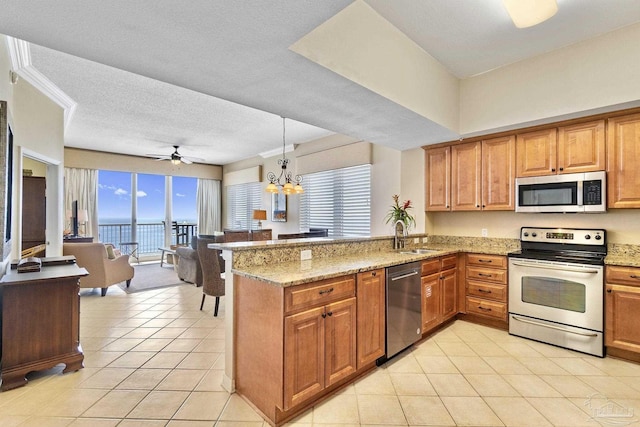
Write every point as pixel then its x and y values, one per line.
pixel 152 276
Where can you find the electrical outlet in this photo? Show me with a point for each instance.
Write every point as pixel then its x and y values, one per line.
pixel 416 240
pixel 305 255
pixel 485 232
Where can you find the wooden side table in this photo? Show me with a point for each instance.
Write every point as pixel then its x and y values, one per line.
pixel 40 322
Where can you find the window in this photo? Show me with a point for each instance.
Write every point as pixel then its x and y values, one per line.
pixel 184 199
pixel 242 199
pixel 339 200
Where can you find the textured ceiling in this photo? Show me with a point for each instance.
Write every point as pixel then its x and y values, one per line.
pixel 192 71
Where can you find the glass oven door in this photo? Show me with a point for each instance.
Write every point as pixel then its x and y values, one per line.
pixel 565 293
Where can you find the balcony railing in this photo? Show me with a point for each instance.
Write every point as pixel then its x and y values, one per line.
pixel 150 236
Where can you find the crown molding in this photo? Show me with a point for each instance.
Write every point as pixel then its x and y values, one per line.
pixel 20 55
pixel 271 153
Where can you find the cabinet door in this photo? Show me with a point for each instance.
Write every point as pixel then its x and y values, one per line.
pixel 498 173
pixel 536 153
pixel 622 327
pixel 370 329
pixel 438 163
pixel 581 148
pixel 430 302
pixel 340 340
pixel 304 356
pixel 449 286
pixel 623 162
pixel 466 160
pixel 34 210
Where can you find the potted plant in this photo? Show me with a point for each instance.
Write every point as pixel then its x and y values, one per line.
pixel 400 212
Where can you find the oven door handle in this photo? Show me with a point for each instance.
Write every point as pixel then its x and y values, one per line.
pixel 554 267
pixel 585 334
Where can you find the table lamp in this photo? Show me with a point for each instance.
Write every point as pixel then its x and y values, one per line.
pixel 260 215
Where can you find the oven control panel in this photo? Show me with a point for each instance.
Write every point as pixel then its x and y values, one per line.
pixel 574 236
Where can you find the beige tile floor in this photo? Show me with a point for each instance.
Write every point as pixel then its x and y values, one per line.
pixel 153 359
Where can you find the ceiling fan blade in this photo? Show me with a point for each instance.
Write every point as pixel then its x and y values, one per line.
pixel 185 160
pixel 193 159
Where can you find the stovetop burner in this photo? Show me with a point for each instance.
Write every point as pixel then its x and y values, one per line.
pixel 570 245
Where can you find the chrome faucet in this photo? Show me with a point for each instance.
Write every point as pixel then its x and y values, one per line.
pixel 399 242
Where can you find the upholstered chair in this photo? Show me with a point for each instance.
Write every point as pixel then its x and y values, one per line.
pixel 188 267
pixel 104 271
pixel 212 281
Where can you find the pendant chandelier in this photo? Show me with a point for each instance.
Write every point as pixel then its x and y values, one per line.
pixel 286 181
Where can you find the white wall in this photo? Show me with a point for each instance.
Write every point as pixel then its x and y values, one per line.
pixel 385 176
pixel 597 75
pixel 622 225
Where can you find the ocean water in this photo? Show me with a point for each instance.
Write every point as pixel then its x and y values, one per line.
pixel 150 232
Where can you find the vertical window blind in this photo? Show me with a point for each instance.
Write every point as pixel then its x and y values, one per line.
pixel 242 199
pixel 339 200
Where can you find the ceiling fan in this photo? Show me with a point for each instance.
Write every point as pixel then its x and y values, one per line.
pixel 176 157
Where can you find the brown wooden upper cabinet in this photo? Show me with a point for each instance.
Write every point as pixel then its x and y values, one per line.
pixel 438 164
pixel 481 176
pixel 623 158
pixel 568 149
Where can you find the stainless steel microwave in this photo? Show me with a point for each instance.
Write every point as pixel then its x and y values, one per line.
pixel 572 192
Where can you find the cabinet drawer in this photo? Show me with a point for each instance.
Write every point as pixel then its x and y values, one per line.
pixel 430 266
pixel 303 297
pixel 450 261
pixel 487 290
pixel 493 261
pixel 623 275
pixel 488 274
pixel 483 307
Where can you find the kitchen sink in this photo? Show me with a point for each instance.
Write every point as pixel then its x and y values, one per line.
pixel 418 251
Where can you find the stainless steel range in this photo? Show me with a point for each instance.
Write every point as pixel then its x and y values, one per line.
pixel 556 287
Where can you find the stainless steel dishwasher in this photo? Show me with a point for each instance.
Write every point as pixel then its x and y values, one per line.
pixel 404 310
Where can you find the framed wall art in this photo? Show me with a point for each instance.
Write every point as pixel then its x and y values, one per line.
pixel 278 207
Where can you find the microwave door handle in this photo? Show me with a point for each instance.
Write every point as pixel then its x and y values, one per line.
pixel 580 193
pixel 555 267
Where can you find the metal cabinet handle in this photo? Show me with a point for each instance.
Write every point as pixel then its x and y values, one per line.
pixel 609 290
pixel 485 260
pixel 633 276
pixel 484 291
pixel 484 309
pixel 324 315
pixel 325 291
pixel 485 275
pixel 373 274
pixel 330 313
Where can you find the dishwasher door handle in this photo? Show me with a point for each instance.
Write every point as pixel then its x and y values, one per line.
pixel 404 276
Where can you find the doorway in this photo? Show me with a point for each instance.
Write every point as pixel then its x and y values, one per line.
pixel 34 206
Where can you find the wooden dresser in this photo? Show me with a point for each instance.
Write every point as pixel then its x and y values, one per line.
pixel 40 319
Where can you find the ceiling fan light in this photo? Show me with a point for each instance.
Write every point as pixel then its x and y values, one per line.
pixel 527 13
pixel 175 161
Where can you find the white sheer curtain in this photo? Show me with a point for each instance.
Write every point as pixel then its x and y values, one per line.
pixel 82 185
pixel 208 203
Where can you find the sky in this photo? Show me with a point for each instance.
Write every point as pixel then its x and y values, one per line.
pixel 114 197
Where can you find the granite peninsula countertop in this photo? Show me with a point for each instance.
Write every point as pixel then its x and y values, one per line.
pixel 299 272
pixel 318 268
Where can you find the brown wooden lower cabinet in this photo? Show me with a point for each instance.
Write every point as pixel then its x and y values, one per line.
pixel 296 344
pixel 371 319
pixel 319 350
pixel 439 291
pixel 486 289
pixel 40 322
pixel 622 311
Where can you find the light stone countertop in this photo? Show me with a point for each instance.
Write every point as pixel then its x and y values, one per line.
pixel 299 272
